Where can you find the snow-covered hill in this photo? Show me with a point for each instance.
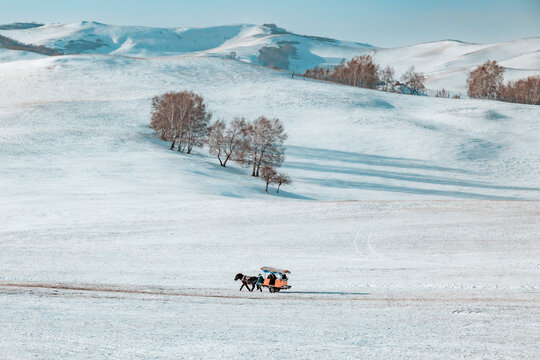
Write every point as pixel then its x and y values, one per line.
pixel 344 143
pixel 446 63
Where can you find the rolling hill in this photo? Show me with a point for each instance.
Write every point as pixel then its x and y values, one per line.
pixel 445 63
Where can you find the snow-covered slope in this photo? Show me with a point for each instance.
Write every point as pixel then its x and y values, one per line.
pixel 113 246
pixel 344 143
pixel 446 63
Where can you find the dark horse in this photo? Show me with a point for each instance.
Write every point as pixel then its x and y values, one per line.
pixel 246 281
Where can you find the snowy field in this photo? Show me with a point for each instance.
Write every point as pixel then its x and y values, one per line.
pixel 411 229
pixel 151 278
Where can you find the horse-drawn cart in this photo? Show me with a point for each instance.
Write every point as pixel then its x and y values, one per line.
pixel 274 279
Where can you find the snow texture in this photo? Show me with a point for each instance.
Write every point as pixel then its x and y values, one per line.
pixel 406 228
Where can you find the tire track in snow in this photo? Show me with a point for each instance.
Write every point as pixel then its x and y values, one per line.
pixel 367 244
pixel 108 291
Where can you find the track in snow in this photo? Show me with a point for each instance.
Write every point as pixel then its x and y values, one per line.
pixel 115 291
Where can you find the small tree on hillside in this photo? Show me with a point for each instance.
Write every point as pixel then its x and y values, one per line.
pixel 387 78
pixel 268 175
pixel 216 140
pixel 484 81
pixel 264 144
pixel 443 93
pixel 414 81
pixel 282 179
pixel 227 143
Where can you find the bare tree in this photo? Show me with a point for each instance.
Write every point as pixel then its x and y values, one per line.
pixel 196 123
pixel 443 93
pixel 282 179
pixel 227 143
pixel 414 81
pixel 387 78
pixel 268 174
pixel 264 144
pixel 181 118
pixel 216 140
pixel 166 117
pixel 484 81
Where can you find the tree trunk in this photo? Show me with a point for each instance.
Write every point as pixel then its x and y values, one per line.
pixel 220 162
pixel 266 187
pixel 172 144
pixel 254 167
pixel 226 159
pixel 277 192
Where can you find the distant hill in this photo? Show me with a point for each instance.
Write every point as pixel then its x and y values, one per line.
pixel 445 63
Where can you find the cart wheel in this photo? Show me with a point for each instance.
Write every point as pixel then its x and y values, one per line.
pixel 271 289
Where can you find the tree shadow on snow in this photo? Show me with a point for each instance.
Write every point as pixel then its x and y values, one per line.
pixel 399 169
pixel 366 159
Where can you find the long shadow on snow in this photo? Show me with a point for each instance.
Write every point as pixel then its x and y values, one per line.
pixel 403 189
pixel 367 159
pixel 413 177
pixel 403 163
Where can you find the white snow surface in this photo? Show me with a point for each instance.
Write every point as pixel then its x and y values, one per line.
pixel 344 143
pixel 446 63
pixel 411 229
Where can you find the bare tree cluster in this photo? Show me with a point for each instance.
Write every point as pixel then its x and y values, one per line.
pixel 257 145
pixel 487 82
pixel 359 71
pixel 523 91
pixel 271 176
pixel 181 118
pixel 484 81
pixel 363 72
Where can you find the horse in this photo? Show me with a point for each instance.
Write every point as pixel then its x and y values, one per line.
pixel 246 281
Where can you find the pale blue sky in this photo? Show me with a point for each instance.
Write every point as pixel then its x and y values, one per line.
pixel 381 23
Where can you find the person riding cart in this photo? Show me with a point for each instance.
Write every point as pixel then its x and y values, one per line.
pixel 276 279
